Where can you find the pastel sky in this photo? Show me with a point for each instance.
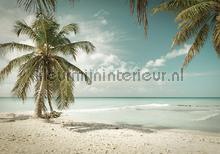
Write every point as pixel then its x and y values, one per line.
pixel 121 45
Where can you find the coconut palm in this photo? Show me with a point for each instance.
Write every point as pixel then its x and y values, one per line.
pixel 196 18
pixel 48 6
pixel 44 65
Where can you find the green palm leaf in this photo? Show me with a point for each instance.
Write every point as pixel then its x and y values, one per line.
pixel 26 76
pixel 14 63
pixel 196 18
pixel 72 48
pixel 216 35
pixel 198 43
pixel 21 28
pixel 12 46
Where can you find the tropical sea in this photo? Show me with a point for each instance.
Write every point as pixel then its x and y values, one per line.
pixel 165 113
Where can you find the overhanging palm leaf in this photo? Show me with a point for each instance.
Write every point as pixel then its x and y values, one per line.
pixel 196 19
pixel 141 10
pixel 176 5
pixel 198 43
pixel 35 5
pixel 216 35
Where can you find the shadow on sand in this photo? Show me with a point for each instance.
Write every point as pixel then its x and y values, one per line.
pixel 82 127
pixel 11 117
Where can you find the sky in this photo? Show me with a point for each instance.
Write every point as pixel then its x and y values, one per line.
pixel 121 45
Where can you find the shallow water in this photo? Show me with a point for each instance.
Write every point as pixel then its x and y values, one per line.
pixel 182 113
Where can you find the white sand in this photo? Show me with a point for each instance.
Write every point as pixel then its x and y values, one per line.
pixel 38 136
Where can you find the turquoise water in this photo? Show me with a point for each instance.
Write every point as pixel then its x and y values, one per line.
pixel 181 113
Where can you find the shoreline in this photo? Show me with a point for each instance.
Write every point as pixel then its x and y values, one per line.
pixel 29 135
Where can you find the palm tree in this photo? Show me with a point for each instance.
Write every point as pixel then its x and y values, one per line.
pixel 196 18
pixel 45 65
pixel 48 6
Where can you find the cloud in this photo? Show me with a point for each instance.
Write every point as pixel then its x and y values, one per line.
pixel 101 12
pixel 104 39
pixel 101 16
pixel 201 74
pixel 177 53
pixel 9 14
pixel 154 64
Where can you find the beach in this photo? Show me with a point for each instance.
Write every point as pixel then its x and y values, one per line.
pixel 26 135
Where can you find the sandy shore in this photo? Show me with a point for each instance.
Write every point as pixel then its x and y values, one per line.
pixel 27 135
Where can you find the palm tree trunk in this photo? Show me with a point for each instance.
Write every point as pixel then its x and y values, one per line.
pixel 48 91
pixel 39 103
pixel 50 104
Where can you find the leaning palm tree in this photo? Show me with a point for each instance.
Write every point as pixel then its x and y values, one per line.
pixel 48 6
pixel 197 18
pixel 44 65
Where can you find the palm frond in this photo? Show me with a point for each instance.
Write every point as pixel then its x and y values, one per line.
pixel 196 10
pixel 189 28
pixel 198 43
pixel 65 64
pixel 25 77
pixel 21 27
pixel 216 35
pixel 69 28
pixel 141 10
pixel 14 63
pixel 174 5
pixel 12 46
pixel 72 48
pixel 65 93
pixel 44 6
pixel 38 5
pixel 60 38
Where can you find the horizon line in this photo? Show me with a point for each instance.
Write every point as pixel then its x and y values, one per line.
pixel 133 97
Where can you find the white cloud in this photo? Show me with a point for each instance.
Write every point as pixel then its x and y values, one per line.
pixel 9 14
pixel 101 12
pixel 177 53
pixel 154 64
pixel 200 74
pixel 101 16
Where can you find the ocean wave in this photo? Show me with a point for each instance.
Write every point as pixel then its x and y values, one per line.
pixel 135 107
pixel 208 117
pixel 190 105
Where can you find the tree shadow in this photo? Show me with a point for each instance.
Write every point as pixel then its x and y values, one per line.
pixel 11 117
pixel 82 127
